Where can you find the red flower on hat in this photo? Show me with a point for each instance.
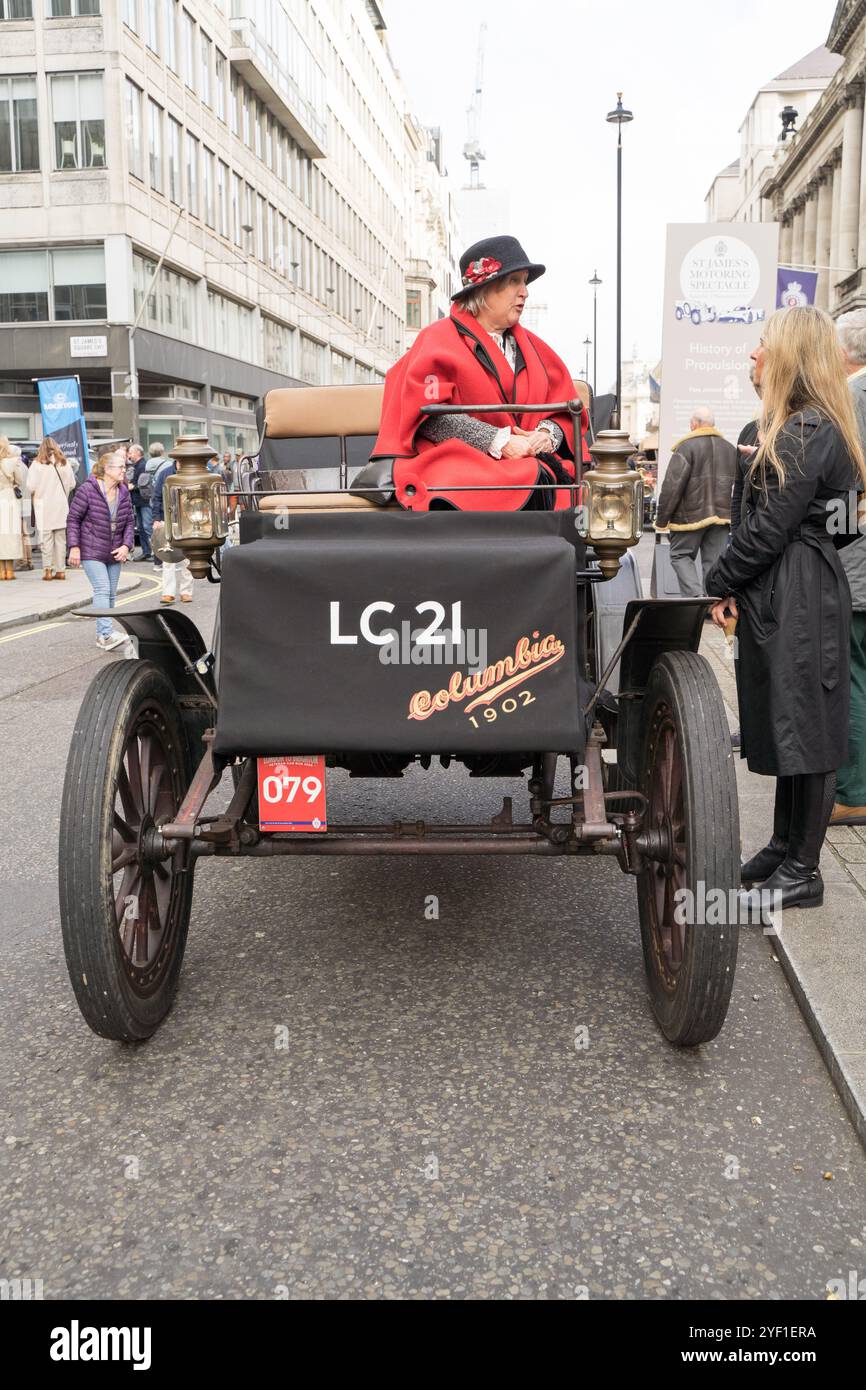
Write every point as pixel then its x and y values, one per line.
pixel 476 271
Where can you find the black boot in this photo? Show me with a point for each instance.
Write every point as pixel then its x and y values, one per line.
pixel 797 882
pixel 768 859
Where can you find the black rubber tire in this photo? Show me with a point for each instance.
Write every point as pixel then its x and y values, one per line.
pixel 119 999
pixel 690 996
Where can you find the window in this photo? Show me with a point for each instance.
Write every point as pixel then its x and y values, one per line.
pixel 256 116
pixel 189 49
pixel 16 9
pixel 245 113
pixel 273 252
pixel 19 134
pixel 65 9
pixel 169 29
pixel 223 199
pixel 130 14
pixel 413 308
pixel 23 286
pixel 249 208
pixel 155 153
pixel 79 123
pixel 209 202
pixel 41 285
pixel 312 360
pixel 220 79
pixel 175 174
pixel 260 227
pixel 78 277
pixel 133 129
pixel 151 24
pixel 278 339
pixel 233 104
pixel 230 326
pixel 192 175
pixel 237 215
pixel 205 67
pixel 170 302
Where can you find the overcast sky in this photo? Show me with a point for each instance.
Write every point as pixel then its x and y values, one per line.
pixel 687 68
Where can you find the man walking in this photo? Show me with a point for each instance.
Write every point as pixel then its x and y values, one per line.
pixel 143 516
pixel 850 808
pixel 695 500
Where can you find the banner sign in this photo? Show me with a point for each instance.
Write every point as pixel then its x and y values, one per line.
pixel 795 287
pixel 63 418
pixel 720 286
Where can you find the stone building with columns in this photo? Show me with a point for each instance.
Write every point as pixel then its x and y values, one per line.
pixel 817 187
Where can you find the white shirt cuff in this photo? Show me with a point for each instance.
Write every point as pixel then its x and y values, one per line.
pixel 499 441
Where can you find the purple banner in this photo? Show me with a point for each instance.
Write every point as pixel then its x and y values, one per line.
pixel 795 287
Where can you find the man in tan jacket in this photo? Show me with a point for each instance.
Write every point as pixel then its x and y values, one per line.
pixel 695 500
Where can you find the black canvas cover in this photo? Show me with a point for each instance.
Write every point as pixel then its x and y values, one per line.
pixel 481 612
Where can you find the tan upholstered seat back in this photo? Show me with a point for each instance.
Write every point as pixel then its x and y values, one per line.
pixel 581 388
pixel 307 412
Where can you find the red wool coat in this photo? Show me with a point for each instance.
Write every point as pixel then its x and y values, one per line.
pixel 454 362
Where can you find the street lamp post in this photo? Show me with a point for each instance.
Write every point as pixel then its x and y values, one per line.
pixel 619 117
pixel 586 342
pixel 595 282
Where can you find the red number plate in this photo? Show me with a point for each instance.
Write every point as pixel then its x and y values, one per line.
pixel 292 793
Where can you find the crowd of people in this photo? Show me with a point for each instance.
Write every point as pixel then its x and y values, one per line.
pixel 774 522
pixel 93 525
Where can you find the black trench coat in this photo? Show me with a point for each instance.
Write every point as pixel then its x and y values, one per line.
pixel 794 602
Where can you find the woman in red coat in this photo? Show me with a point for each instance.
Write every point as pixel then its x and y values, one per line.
pixel 480 354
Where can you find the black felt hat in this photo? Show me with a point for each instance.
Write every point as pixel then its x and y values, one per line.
pixel 492 259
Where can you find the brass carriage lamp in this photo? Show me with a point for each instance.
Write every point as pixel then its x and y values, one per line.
pixel 611 500
pixel 195 503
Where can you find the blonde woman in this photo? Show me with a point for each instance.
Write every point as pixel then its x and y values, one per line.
pixel 50 480
pixel 13 475
pixel 783 580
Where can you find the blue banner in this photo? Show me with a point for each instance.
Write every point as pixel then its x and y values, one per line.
pixel 795 287
pixel 63 418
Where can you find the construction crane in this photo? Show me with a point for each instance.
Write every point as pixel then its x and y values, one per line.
pixel 472 149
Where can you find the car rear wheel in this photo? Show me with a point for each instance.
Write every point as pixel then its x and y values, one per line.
pixel 124 908
pixel 687 893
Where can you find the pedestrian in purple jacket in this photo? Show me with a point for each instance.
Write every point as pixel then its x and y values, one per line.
pixel 101 533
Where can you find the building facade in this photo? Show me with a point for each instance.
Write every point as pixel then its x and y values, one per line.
pixel 432 232
pixel 203 199
pixel 737 192
pixel 818 189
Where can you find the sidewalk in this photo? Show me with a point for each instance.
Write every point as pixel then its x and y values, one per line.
pixel 29 599
pixel 822 951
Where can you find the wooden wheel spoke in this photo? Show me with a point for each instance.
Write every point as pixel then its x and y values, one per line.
pixel 130 887
pixel 140 937
pixel 127 854
pixel 122 829
pixel 145 766
pixel 131 809
pixel 155 787
pixel 133 764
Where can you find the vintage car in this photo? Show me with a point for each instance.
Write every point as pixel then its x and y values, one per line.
pixel 698 313
pixel 578 673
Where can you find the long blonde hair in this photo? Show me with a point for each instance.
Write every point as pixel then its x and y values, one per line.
pixel 803 370
pixel 50 452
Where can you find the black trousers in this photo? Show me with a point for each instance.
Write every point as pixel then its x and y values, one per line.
pixel 802 811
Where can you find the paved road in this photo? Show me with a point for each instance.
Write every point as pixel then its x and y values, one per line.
pixel 430 1129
